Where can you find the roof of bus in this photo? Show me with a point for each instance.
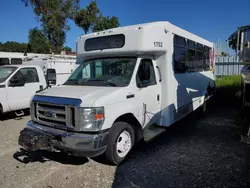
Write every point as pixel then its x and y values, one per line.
pixel 157 24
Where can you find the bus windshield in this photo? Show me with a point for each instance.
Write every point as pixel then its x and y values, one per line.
pixel 111 72
pixel 5 72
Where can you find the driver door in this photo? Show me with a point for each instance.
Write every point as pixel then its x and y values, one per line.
pixel 148 92
pixel 21 87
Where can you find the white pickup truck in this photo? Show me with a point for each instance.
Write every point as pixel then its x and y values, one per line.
pixel 18 83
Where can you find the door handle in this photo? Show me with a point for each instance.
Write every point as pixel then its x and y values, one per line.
pixel 130 96
pixel 158 97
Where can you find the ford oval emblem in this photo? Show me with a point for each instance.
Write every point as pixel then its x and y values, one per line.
pixel 50 114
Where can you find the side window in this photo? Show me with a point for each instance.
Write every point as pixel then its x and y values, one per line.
pixel 30 75
pixel 190 56
pixel 86 72
pixel 199 54
pixel 146 74
pixel 98 69
pixel 4 61
pixel 180 54
pixel 206 59
pixel 16 61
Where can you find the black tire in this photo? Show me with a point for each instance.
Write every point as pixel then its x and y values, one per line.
pixel 1 109
pixel 110 154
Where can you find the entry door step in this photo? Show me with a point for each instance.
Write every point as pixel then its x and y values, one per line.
pixel 19 113
pixel 152 131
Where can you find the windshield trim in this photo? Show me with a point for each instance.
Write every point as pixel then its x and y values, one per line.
pixel 82 60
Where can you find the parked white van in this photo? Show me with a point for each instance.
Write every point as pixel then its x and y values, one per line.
pixel 131 83
pixel 18 84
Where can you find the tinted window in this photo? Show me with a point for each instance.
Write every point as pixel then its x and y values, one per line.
pixel 16 61
pixel 199 61
pixel 4 61
pixel 190 56
pixel 30 75
pixel 206 61
pixel 106 42
pixel 199 47
pixel 179 41
pixel 179 59
pixel 141 71
pixel 190 64
pixel 190 44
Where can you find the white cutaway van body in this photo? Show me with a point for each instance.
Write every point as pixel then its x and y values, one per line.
pixel 131 83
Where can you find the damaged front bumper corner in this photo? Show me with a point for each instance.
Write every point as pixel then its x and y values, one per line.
pixel 37 137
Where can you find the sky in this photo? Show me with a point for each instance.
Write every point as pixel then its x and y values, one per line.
pixel 211 19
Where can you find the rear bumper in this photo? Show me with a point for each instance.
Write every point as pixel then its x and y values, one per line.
pixel 38 137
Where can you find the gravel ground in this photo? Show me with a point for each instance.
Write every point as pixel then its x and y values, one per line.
pixel 202 152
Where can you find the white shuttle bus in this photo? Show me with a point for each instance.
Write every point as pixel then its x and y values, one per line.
pixel 131 83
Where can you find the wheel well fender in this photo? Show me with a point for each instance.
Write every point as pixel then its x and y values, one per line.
pixel 131 119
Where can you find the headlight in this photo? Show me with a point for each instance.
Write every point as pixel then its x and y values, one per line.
pixel 92 118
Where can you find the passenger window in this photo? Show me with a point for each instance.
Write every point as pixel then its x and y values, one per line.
pixel 98 69
pixel 30 75
pixel 146 74
pixel 180 54
pixel 190 64
pixel 16 61
pixel 199 60
pixel 4 61
pixel 86 72
pixel 206 59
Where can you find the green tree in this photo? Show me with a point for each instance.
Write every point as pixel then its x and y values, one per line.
pixel 68 49
pixel 38 43
pixel 105 22
pixel 87 17
pixel 90 19
pixel 54 14
pixel 11 46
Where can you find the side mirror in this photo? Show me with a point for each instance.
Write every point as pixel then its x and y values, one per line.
pixel 51 76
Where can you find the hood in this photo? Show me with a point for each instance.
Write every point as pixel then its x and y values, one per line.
pixel 88 94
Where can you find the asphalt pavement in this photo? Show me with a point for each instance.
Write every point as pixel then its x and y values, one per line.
pixel 196 152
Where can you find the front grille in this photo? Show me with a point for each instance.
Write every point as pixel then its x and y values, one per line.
pixel 53 115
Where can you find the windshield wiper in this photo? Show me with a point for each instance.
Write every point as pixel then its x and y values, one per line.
pixel 105 81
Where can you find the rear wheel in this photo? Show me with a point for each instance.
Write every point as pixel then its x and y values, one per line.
pixel 121 140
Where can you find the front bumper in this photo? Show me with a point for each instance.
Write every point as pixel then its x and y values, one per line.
pixel 37 137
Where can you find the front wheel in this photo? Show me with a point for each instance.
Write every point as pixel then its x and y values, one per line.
pixel 121 140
